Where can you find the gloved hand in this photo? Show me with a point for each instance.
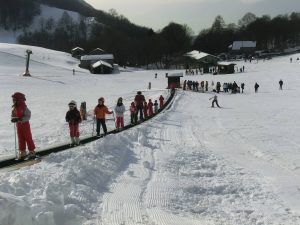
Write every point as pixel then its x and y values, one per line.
pixel 15 119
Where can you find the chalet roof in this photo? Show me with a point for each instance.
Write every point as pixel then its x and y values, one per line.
pixel 100 62
pixel 97 50
pixel 237 45
pixel 97 57
pixel 199 55
pixel 226 63
pixel 77 48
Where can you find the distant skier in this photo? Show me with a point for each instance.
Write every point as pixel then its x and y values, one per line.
pixel 21 116
pixel 100 111
pixel 256 86
pixel 242 87
pixel 73 118
pixel 280 84
pixel 215 100
pixel 119 110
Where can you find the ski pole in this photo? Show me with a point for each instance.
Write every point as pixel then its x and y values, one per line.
pixel 93 125
pixel 15 133
pixel 114 119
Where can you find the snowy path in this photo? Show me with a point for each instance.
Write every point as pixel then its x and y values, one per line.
pixel 178 179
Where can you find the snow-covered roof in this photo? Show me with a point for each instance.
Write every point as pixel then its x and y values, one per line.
pixel 97 57
pixel 100 62
pixel 77 48
pixel 175 75
pixel 226 63
pixel 198 55
pixel 237 45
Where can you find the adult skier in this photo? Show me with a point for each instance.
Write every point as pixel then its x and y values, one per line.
pixel 21 116
pixel 139 102
pixel 73 118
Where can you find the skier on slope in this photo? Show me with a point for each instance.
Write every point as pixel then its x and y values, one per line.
pixel 21 116
pixel 280 84
pixel 119 110
pixel 73 118
pixel 256 86
pixel 100 111
pixel 215 100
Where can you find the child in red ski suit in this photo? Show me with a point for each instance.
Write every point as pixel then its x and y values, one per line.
pixel 161 101
pixel 145 110
pixel 150 107
pixel 73 118
pixel 21 116
pixel 133 113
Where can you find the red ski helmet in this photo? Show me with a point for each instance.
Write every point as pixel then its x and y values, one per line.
pixel 19 96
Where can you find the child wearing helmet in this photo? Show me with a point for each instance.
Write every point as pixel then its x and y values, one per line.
pixel 100 111
pixel 119 110
pixel 150 107
pixel 73 118
pixel 21 116
pixel 133 113
pixel 155 106
pixel 145 109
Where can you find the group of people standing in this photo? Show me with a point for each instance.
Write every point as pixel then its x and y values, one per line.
pixel 21 116
pixel 138 106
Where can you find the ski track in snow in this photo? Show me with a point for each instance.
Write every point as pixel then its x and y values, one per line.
pixel 178 180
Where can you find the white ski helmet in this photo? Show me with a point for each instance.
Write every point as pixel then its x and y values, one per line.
pixel 73 103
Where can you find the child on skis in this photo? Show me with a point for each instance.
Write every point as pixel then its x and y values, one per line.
pixel 150 107
pixel 100 111
pixel 73 118
pixel 161 101
pixel 119 110
pixel 21 116
pixel 145 110
pixel 215 100
pixel 133 113
pixel 155 106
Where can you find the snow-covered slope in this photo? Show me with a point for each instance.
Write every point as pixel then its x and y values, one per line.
pixel 190 165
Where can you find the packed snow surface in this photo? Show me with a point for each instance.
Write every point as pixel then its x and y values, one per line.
pixel 191 165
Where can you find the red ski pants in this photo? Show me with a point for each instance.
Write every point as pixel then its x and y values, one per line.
pixel 120 121
pixel 74 130
pixel 25 137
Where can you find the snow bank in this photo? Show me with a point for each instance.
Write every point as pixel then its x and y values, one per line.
pixel 66 188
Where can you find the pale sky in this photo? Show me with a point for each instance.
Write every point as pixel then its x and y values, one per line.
pixel 197 14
